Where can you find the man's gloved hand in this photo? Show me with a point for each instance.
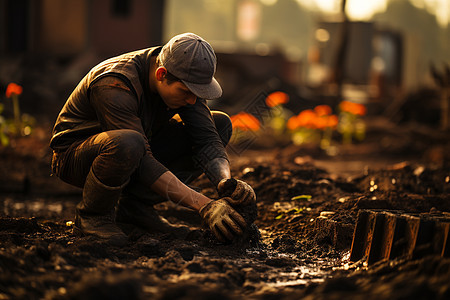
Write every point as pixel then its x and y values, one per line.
pixel 240 192
pixel 222 219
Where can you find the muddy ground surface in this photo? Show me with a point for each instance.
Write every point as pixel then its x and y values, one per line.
pixel 308 203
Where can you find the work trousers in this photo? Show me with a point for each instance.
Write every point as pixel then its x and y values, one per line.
pixel 119 156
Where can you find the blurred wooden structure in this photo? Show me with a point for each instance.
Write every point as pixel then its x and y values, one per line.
pixel 442 80
pixel 370 66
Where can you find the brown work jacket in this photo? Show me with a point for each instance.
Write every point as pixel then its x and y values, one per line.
pixel 139 110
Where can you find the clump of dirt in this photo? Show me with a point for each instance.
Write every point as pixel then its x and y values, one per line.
pixel 408 178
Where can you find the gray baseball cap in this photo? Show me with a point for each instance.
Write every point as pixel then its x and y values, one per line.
pixel 192 59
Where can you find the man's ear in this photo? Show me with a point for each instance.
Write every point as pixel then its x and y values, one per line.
pixel 160 73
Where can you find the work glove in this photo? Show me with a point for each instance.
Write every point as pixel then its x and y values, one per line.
pixel 238 191
pixel 222 219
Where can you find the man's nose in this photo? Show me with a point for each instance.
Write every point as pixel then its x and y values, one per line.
pixel 191 99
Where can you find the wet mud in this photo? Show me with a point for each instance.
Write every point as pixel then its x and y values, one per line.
pixel 298 246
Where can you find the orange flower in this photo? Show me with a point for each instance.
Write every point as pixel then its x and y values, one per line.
pixel 320 122
pixel 13 89
pixel 245 121
pixel 307 118
pixel 277 98
pixel 311 119
pixel 332 121
pixel 326 122
pixel 292 123
pixel 322 110
pixel 346 106
pixel 360 109
pixel 353 108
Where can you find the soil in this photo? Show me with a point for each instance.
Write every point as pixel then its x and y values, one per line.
pixel 298 246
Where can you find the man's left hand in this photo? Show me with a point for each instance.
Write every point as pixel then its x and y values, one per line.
pixel 240 192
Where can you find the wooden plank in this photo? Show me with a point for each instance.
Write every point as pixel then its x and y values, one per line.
pixel 360 235
pixel 378 233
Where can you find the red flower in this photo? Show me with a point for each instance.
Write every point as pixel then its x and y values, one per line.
pixel 13 89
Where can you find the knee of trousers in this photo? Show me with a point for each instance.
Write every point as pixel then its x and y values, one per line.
pixel 223 125
pixel 126 147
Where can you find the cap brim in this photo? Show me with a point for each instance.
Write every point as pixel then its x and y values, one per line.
pixel 205 91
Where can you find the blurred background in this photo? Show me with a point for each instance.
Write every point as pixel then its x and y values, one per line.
pixel 390 55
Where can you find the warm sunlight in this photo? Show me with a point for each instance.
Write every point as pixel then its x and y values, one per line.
pixel 364 10
pixel 356 9
pixel 440 8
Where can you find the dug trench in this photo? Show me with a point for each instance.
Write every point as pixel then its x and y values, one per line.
pixel 298 246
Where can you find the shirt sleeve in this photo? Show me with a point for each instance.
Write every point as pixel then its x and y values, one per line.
pixel 116 107
pixel 202 130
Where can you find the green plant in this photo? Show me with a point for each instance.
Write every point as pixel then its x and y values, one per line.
pixel 350 123
pixel 21 124
pixel 4 140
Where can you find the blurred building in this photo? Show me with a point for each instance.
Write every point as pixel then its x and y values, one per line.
pixel 70 27
pixel 81 33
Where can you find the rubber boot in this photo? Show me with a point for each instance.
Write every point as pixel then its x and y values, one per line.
pixel 94 214
pixel 141 213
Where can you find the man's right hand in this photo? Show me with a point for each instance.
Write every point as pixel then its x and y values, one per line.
pixel 222 219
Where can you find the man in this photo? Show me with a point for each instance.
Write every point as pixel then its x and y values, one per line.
pixel 137 128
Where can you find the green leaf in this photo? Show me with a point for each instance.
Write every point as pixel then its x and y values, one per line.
pixel 299 210
pixel 301 197
pixel 278 217
pixel 4 140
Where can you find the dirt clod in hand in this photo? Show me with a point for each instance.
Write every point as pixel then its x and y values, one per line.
pixel 227 187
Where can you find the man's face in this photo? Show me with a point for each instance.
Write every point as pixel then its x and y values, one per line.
pixel 176 94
